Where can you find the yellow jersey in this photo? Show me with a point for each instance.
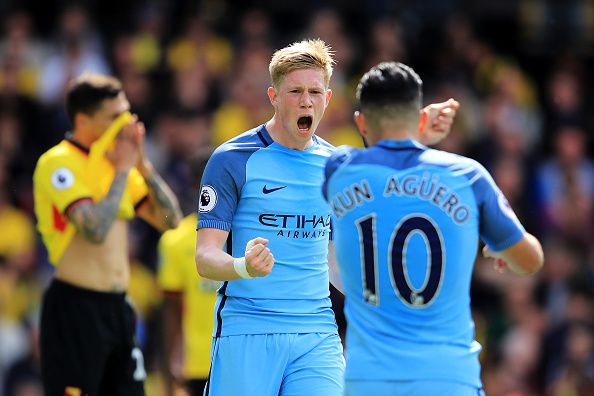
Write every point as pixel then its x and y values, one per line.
pixel 177 273
pixel 62 178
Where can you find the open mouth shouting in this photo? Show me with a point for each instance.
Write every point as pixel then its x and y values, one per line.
pixel 304 124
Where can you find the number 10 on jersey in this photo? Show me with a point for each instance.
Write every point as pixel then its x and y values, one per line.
pixel 397 260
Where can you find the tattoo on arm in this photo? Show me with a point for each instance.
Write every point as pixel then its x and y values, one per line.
pixel 93 221
pixel 163 201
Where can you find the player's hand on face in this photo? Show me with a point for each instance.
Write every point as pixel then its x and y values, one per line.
pixel 139 136
pixel 126 151
pixel 440 117
pixel 258 258
pixel 499 264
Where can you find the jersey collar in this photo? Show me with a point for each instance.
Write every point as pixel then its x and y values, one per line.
pixel 264 135
pixel 68 137
pixel 405 144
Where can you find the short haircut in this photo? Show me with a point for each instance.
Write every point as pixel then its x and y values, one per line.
pixel 390 90
pixel 87 92
pixel 306 54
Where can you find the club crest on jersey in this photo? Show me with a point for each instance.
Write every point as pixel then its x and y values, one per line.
pixel 208 199
pixel 62 178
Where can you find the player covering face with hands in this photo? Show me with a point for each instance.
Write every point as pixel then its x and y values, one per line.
pixel 265 232
pixel 86 188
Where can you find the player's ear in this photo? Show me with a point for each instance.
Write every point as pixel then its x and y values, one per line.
pixel 423 120
pixel 328 96
pixel 361 123
pixel 272 95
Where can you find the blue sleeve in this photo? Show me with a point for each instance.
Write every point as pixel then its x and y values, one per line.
pixel 499 225
pixel 220 189
pixel 338 157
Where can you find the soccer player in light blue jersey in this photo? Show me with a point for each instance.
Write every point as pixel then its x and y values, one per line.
pixel 275 332
pixel 406 225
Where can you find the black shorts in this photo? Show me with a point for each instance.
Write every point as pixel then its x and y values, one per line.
pixel 195 387
pixel 88 344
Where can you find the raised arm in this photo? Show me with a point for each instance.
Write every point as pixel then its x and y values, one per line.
pixel 94 220
pixel 213 263
pixel 436 122
pixel 162 209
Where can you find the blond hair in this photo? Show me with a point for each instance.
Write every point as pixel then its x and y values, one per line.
pixel 306 54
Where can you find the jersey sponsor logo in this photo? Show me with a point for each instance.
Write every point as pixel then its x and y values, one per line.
pixel 271 190
pixel 62 178
pixel 297 225
pixel 208 199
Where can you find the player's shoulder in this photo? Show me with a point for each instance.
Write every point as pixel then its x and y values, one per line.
pixel 59 151
pixel 248 141
pixel 62 153
pixel 323 144
pixel 340 156
pixel 454 163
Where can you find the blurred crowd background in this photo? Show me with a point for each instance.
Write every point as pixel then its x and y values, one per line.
pixel 196 73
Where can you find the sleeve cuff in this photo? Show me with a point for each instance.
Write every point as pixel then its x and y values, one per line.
pixel 218 224
pixel 72 204
pixel 142 201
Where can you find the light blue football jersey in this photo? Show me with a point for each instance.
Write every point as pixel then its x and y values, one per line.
pixel 255 187
pixel 406 223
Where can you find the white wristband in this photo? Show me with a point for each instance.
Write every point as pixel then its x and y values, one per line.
pixel 240 268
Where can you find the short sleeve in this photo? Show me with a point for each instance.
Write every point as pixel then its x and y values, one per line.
pixel 499 225
pixel 220 189
pixel 64 183
pixel 137 187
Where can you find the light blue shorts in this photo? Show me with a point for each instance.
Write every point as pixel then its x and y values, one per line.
pixel 276 365
pixel 410 388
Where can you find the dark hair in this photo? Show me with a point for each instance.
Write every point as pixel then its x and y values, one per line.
pixel 87 92
pixel 389 83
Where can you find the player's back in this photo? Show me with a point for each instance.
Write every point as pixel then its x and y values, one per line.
pixel 415 213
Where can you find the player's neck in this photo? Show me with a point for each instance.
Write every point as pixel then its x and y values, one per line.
pixel 399 134
pixel 82 138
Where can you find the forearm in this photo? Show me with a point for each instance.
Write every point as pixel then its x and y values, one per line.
pixel 94 221
pixel 213 263
pixel 162 200
pixel 523 258
pixel 527 261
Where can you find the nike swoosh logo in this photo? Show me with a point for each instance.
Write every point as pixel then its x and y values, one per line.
pixel 270 190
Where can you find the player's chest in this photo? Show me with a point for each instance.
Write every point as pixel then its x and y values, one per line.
pixel 293 188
